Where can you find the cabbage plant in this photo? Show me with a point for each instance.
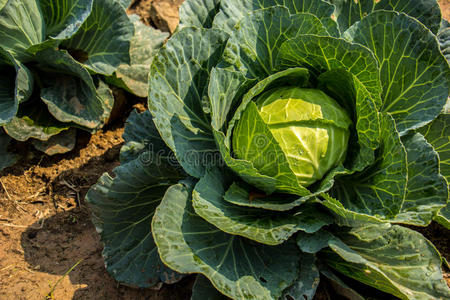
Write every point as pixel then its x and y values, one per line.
pixel 287 142
pixel 53 56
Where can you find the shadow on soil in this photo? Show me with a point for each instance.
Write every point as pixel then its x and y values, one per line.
pixel 55 244
pixel 68 237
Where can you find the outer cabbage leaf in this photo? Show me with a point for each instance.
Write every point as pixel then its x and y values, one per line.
pixel 203 289
pixel 103 41
pixel 255 43
pixel 427 190
pixel 379 190
pixel 444 38
pixel 237 267
pixel 352 94
pixel 198 13
pixel 142 139
pixel 122 208
pixel 414 74
pixel 58 144
pixel 69 90
pixel 320 54
pixel 178 108
pixel 271 228
pixel 134 76
pixel 16 85
pixel 232 11
pixel 33 120
pixel 304 288
pixel 6 158
pixel 427 12
pixel 393 259
pixel 437 134
pixel 64 17
pixel 349 12
pixel 28 28
pixel 443 217
pixel 242 194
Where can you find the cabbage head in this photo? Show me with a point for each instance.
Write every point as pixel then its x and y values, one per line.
pixel 287 143
pixel 311 129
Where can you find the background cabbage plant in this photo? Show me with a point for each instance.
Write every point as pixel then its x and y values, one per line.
pixel 184 200
pixel 55 57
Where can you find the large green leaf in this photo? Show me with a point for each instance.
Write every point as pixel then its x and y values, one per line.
pixel 33 120
pixel 443 217
pixel 198 13
pixel 414 74
pixel 393 259
pixel 348 216
pixel 351 94
pixel 21 26
pixel 103 41
pixel 232 11
pixel 242 194
pixel 255 43
pixel 304 288
pixel 64 17
pixel 63 142
pixel 123 206
pixel 427 12
pixel 178 89
pixel 321 54
pixel 142 139
pixel 122 210
pixel 263 226
pixel 6 158
pixel 313 243
pixel 69 90
pixel 437 134
pixel 444 38
pixel 203 289
pixel 16 85
pixel 237 267
pixel 427 190
pixel 379 190
pixel 134 76
pixel 349 12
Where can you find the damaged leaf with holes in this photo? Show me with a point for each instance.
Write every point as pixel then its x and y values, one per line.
pixel 54 56
pixel 288 143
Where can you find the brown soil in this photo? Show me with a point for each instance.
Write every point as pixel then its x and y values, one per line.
pixel 445 8
pixel 162 14
pixel 45 228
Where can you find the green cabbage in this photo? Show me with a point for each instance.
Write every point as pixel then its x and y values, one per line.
pixel 310 127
